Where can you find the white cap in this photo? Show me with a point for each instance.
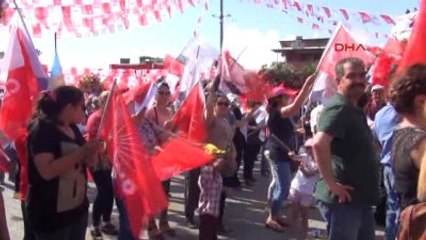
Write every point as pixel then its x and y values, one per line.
pixel 232 97
pixel 377 87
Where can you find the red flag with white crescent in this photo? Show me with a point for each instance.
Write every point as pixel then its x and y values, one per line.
pixel 21 87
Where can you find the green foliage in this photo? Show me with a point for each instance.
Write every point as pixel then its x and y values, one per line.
pixel 281 72
pixel 148 59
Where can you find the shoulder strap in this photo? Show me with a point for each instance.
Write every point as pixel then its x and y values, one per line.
pixel 156 115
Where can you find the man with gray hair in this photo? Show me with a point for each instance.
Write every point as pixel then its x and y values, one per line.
pixel 343 148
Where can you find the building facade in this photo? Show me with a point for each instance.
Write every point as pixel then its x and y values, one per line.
pixel 300 52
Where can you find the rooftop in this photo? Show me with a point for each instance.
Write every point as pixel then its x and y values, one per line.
pixel 300 44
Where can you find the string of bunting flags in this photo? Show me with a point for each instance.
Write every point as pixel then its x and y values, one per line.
pixel 79 18
pixel 321 17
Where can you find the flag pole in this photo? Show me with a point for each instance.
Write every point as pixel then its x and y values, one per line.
pixel 238 57
pixel 3 152
pixel 56 39
pixel 98 134
pixel 21 17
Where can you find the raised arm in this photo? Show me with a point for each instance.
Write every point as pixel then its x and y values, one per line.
pixel 209 111
pixel 293 108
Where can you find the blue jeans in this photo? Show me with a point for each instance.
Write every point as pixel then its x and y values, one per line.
pixel 348 221
pixel 125 233
pixel 392 204
pixel 281 179
pixel 76 231
pixel 263 162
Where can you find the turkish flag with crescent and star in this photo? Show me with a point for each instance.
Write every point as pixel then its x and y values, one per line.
pixel 22 87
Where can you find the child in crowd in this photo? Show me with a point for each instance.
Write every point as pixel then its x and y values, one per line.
pixel 302 188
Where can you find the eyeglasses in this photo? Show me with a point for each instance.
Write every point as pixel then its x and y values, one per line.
pixel 163 93
pixel 225 104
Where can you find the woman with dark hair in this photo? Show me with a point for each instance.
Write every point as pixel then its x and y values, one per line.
pixel 212 197
pixel 160 115
pixel 408 96
pixel 279 147
pixel 58 158
pixel 103 204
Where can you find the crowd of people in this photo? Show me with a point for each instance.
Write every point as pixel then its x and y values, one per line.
pixel 336 156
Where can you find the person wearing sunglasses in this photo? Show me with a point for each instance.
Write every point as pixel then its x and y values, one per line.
pixel 58 158
pixel 160 114
pixel 220 133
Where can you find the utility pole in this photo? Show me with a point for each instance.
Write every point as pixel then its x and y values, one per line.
pixel 221 25
pixel 221 17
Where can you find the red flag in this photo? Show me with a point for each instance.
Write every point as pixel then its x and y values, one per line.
pixel 135 180
pixel 365 17
pixel 382 69
pixel 394 47
pixel 137 93
pixel 387 19
pixel 4 161
pixel 21 87
pixel 180 5
pixel 344 13
pixel 342 45
pixel 285 4
pixel 416 49
pixel 296 4
pixel 189 119
pixel 178 156
pixel 310 9
pixel 21 150
pixel 327 11
pixel 239 81
pixel 258 85
pixel 192 2
pixel 173 66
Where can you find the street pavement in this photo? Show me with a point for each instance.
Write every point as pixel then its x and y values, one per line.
pixel 245 214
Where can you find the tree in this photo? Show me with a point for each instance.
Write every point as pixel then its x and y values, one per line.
pixel 282 72
pixel 148 59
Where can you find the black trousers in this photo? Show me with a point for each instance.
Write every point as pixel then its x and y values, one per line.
pixel 28 234
pixel 164 214
pixel 192 193
pixel 223 197
pixel 250 155
pixel 208 227
pixel 102 207
pixel 18 177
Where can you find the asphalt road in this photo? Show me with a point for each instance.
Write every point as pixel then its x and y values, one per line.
pixel 244 214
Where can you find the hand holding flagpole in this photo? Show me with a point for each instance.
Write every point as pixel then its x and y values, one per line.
pixel 98 134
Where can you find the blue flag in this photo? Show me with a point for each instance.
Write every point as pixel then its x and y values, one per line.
pixel 56 77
